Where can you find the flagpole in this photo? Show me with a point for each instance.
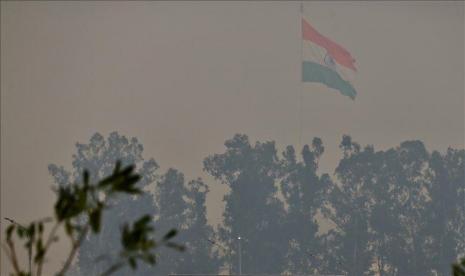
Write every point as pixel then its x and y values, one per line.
pixel 301 74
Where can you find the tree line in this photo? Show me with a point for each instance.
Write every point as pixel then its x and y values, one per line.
pixel 396 212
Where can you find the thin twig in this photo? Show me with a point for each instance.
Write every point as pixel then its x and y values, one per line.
pixel 50 239
pixel 7 252
pixel 19 225
pixel 14 258
pixel 29 255
pixel 73 252
pixel 113 269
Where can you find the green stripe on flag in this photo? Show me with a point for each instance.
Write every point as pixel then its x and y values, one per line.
pixel 314 72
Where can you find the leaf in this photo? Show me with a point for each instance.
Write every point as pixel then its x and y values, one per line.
pixel 41 227
pixel 40 251
pixel 95 219
pixel 176 246
pixel 21 232
pixel 142 222
pixel 69 228
pixel 9 231
pixel 459 268
pixel 117 167
pixel 170 234
pixel 71 202
pixel 151 259
pixel 113 268
pixel 132 263
pixel 31 230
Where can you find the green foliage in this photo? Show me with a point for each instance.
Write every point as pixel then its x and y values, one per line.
pixel 458 269
pixel 394 212
pixel 79 209
pixel 98 157
pixel 138 244
pixel 178 204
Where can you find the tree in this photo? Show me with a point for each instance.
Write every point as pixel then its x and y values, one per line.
pixel 424 194
pixel 304 193
pixel 348 245
pixel 446 210
pixel 458 269
pixel 98 157
pixel 252 210
pixel 183 207
pixel 397 212
pixel 203 256
pixel 385 223
pixel 79 209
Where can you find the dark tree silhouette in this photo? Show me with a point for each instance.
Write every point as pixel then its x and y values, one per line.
pixel 397 212
pixel 252 210
pixel 458 269
pixel 304 194
pixel 99 157
pixel 446 210
pixel 348 244
pixel 177 205
pixel 78 210
pixel 183 206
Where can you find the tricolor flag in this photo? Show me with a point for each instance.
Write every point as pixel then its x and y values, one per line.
pixel 326 62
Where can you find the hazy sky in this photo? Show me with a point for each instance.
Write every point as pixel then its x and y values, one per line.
pixel 185 76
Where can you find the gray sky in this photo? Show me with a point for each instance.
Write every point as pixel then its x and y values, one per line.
pixel 185 76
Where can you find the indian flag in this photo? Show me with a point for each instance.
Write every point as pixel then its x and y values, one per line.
pixel 326 62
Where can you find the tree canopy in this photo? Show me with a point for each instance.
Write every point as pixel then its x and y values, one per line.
pixel 398 211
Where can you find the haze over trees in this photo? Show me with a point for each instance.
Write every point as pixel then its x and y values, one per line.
pixel 182 206
pixel 396 212
pixel 252 212
pixel 177 206
pixel 78 211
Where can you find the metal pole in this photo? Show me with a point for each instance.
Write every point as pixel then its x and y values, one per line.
pixel 301 87
pixel 226 251
pixel 240 256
